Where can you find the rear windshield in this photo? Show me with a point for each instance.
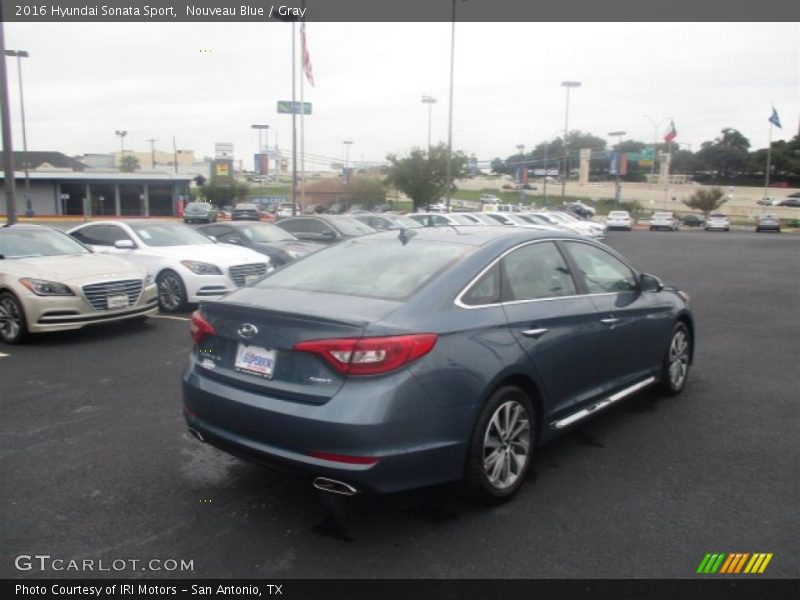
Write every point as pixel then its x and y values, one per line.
pixel 719 216
pixel 617 214
pixel 384 269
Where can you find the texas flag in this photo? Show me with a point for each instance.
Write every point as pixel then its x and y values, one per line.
pixel 672 133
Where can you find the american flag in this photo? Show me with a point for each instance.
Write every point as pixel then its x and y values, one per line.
pixel 306 58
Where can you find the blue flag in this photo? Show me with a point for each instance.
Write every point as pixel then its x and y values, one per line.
pixel 775 119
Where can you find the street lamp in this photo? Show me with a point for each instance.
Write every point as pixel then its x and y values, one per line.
pixel 430 101
pixel 521 149
pixel 655 139
pixel 347 144
pixel 260 145
pixel 567 85
pixel 450 110
pixel 618 188
pixel 20 54
pixel 121 134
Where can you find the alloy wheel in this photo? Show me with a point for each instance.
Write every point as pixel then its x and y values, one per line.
pixel 170 292
pixel 10 319
pixel 506 444
pixel 678 358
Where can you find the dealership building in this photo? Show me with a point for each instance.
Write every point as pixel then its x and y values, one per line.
pixel 60 186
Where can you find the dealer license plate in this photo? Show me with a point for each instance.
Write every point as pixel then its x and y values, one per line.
pixel 255 360
pixel 118 301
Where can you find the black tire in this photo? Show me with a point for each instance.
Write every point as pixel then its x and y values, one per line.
pixel 171 292
pixel 496 481
pixel 673 378
pixel 13 325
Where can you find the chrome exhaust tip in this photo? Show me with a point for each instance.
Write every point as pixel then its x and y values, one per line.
pixel 324 484
pixel 197 434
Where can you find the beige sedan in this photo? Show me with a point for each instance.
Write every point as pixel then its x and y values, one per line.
pixel 51 282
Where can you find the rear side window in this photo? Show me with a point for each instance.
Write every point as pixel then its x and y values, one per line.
pixel 537 271
pixel 486 290
pixel 386 269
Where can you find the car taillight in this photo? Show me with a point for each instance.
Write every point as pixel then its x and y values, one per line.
pixel 370 356
pixel 200 327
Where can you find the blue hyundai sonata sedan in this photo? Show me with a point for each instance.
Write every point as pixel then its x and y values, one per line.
pixel 400 360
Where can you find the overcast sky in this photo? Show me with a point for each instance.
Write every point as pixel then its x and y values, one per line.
pixel 206 83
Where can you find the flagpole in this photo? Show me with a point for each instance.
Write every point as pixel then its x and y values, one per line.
pixel 769 157
pixel 294 127
pixel 302 126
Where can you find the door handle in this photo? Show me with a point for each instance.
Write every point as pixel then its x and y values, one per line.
pixel 534 333
pixel 609 321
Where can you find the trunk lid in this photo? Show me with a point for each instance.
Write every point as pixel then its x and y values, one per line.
pixel 257 329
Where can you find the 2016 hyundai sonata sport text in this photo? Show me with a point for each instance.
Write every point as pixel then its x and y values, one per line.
pixel 400 360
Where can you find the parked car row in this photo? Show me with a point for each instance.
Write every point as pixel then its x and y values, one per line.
pixel 621 220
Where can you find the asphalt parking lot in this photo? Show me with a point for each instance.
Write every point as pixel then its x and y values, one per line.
pixel 97 463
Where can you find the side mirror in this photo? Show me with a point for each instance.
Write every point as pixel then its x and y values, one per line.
pixel 124 245
pixel 650 283
pixel 328 235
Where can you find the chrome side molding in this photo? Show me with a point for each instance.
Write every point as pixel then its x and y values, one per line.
pixel 601 404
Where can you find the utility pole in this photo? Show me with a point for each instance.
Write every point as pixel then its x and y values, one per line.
pixel 430 101
pixel 521 149
pixel 565 154
pixel 8 148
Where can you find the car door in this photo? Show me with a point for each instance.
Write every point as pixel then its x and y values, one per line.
pixel 633 322
pixel 553 322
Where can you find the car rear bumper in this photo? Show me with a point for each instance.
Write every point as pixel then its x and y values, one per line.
pixel 409 448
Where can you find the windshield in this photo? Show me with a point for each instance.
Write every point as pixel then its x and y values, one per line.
pixel 350 226
pixel 383 269
pixel 26 243
pixel 266 233
pixel 168 234
pixel 719 216
pixel 617 214
pixel 662 216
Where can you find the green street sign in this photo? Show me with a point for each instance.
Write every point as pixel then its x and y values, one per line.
pixel 287 107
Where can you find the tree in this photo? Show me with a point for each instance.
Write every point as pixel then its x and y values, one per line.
pixel 221 194
pixel 128 163
pixel 726 156
pixel 707 201
pixel 422 176
pixel 367 192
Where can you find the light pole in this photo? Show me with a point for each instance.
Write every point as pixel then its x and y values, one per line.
pixel 347 144
pixel 618 188
pixel 521 149
pixel 260 145
pixel 567 85
pixel 430 101
pixel 152 152
pixel 120 133
pixel 20 54
pixel 450 111
pixel 655 140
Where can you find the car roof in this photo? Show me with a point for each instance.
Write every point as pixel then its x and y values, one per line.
pixel 29 226
pixel 480 235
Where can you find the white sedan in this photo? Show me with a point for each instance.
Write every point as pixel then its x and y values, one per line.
pixel 188 266
pixel 619 219
pixel 50 282
pixel 587 228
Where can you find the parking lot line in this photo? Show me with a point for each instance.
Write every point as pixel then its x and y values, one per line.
pixel 170 317
pixel 3 354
